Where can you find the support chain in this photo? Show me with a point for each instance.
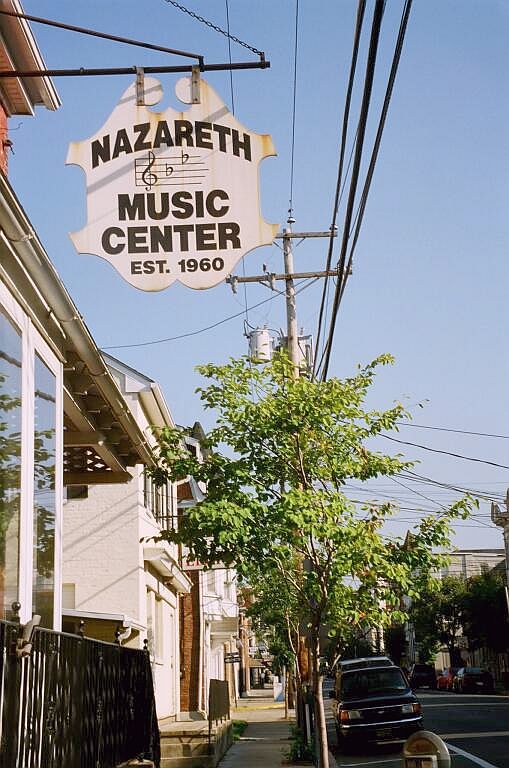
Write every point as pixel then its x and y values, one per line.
pixel 215 27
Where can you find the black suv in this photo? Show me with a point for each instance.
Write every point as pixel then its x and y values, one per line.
pixel 375 704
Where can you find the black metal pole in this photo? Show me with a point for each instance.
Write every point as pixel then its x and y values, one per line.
pixel 83 72
pixel 102 35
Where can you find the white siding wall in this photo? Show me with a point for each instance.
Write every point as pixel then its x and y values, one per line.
pixel 103 556
pixel 102 550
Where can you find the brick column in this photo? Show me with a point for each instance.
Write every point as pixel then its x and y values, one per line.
pixel 190 638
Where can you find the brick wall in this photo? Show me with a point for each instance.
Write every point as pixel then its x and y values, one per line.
pixel 190 624
pixel 4 140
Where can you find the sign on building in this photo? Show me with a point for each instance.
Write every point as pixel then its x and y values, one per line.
pixel 172 195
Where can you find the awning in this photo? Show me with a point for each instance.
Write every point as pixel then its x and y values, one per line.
pixel 167 568
pixel 119 618
pixel 229 625
pixel 101 436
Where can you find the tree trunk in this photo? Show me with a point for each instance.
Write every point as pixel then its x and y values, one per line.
pixel 300 713
pixel 322 745
pixel 284 681
pixel 291 688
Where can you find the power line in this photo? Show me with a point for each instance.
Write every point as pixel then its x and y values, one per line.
pixel 290 210
pixel 417 493
pixel 415 477
pixel 208 327
pixel 230 54
pixel 381 125
pixel 449 429
pixel 463 525
pixel 359 144
pixel 246 309
pixel 423 512
pixel 446 453
pixel 344 133
pixel 344 267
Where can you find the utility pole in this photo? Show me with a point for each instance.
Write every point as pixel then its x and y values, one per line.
pixel 289 276
pixel 291 309
pixel 501 518
pixel 294 355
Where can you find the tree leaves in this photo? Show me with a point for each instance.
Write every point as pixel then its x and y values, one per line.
pixel 276 463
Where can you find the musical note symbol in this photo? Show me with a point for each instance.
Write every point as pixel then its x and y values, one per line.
pixel 149 178
pixel 169 169
pixel 184 156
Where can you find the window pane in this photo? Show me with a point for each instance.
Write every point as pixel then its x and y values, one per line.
pixel 10 463
pixel 44 493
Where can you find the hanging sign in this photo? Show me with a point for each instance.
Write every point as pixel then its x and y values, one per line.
pixel 172 195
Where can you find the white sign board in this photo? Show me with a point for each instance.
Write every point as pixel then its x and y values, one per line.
pixel 172 195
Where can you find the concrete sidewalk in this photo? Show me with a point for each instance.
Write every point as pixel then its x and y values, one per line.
pixel 266 740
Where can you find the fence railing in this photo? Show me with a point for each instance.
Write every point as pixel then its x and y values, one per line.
pixel 219 702
pixel 74 701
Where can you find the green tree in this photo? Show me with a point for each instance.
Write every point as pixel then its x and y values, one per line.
pixel 395 642
pixel 437 616
pixel 424 622
pixel 484 614
pixel 278 459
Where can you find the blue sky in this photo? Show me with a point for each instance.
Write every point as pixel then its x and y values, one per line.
pixel 430 275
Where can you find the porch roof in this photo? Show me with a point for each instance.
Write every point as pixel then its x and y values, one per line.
pixel 101 436
pixel 19 51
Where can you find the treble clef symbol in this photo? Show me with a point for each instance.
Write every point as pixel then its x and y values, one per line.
pixel 147 177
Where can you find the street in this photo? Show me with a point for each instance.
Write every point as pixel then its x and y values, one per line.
pixel 475 728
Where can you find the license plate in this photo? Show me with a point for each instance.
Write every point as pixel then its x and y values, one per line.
pixel 383 733
pixel 481 684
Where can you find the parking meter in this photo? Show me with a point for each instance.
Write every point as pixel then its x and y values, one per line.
pixel 425 749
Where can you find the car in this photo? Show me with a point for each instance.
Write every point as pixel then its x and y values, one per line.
pixel 374 705
pixel 473 680
pixel 423 676
pixel 445 678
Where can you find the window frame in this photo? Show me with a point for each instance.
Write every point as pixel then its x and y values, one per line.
pixel 33 343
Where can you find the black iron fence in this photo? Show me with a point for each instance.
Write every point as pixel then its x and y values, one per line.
pixel 75 702
pixel 219 702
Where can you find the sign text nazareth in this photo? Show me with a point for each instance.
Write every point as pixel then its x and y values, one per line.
pixel 185 133
pixel 172 199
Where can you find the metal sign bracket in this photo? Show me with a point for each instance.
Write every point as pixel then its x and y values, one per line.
pixel 140 87
pixel 195 85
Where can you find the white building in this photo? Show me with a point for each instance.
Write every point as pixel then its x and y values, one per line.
pixel 116 577
pixel 465 563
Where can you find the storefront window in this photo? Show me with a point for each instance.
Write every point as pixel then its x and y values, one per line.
pixel 10 463
pixel 44 492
